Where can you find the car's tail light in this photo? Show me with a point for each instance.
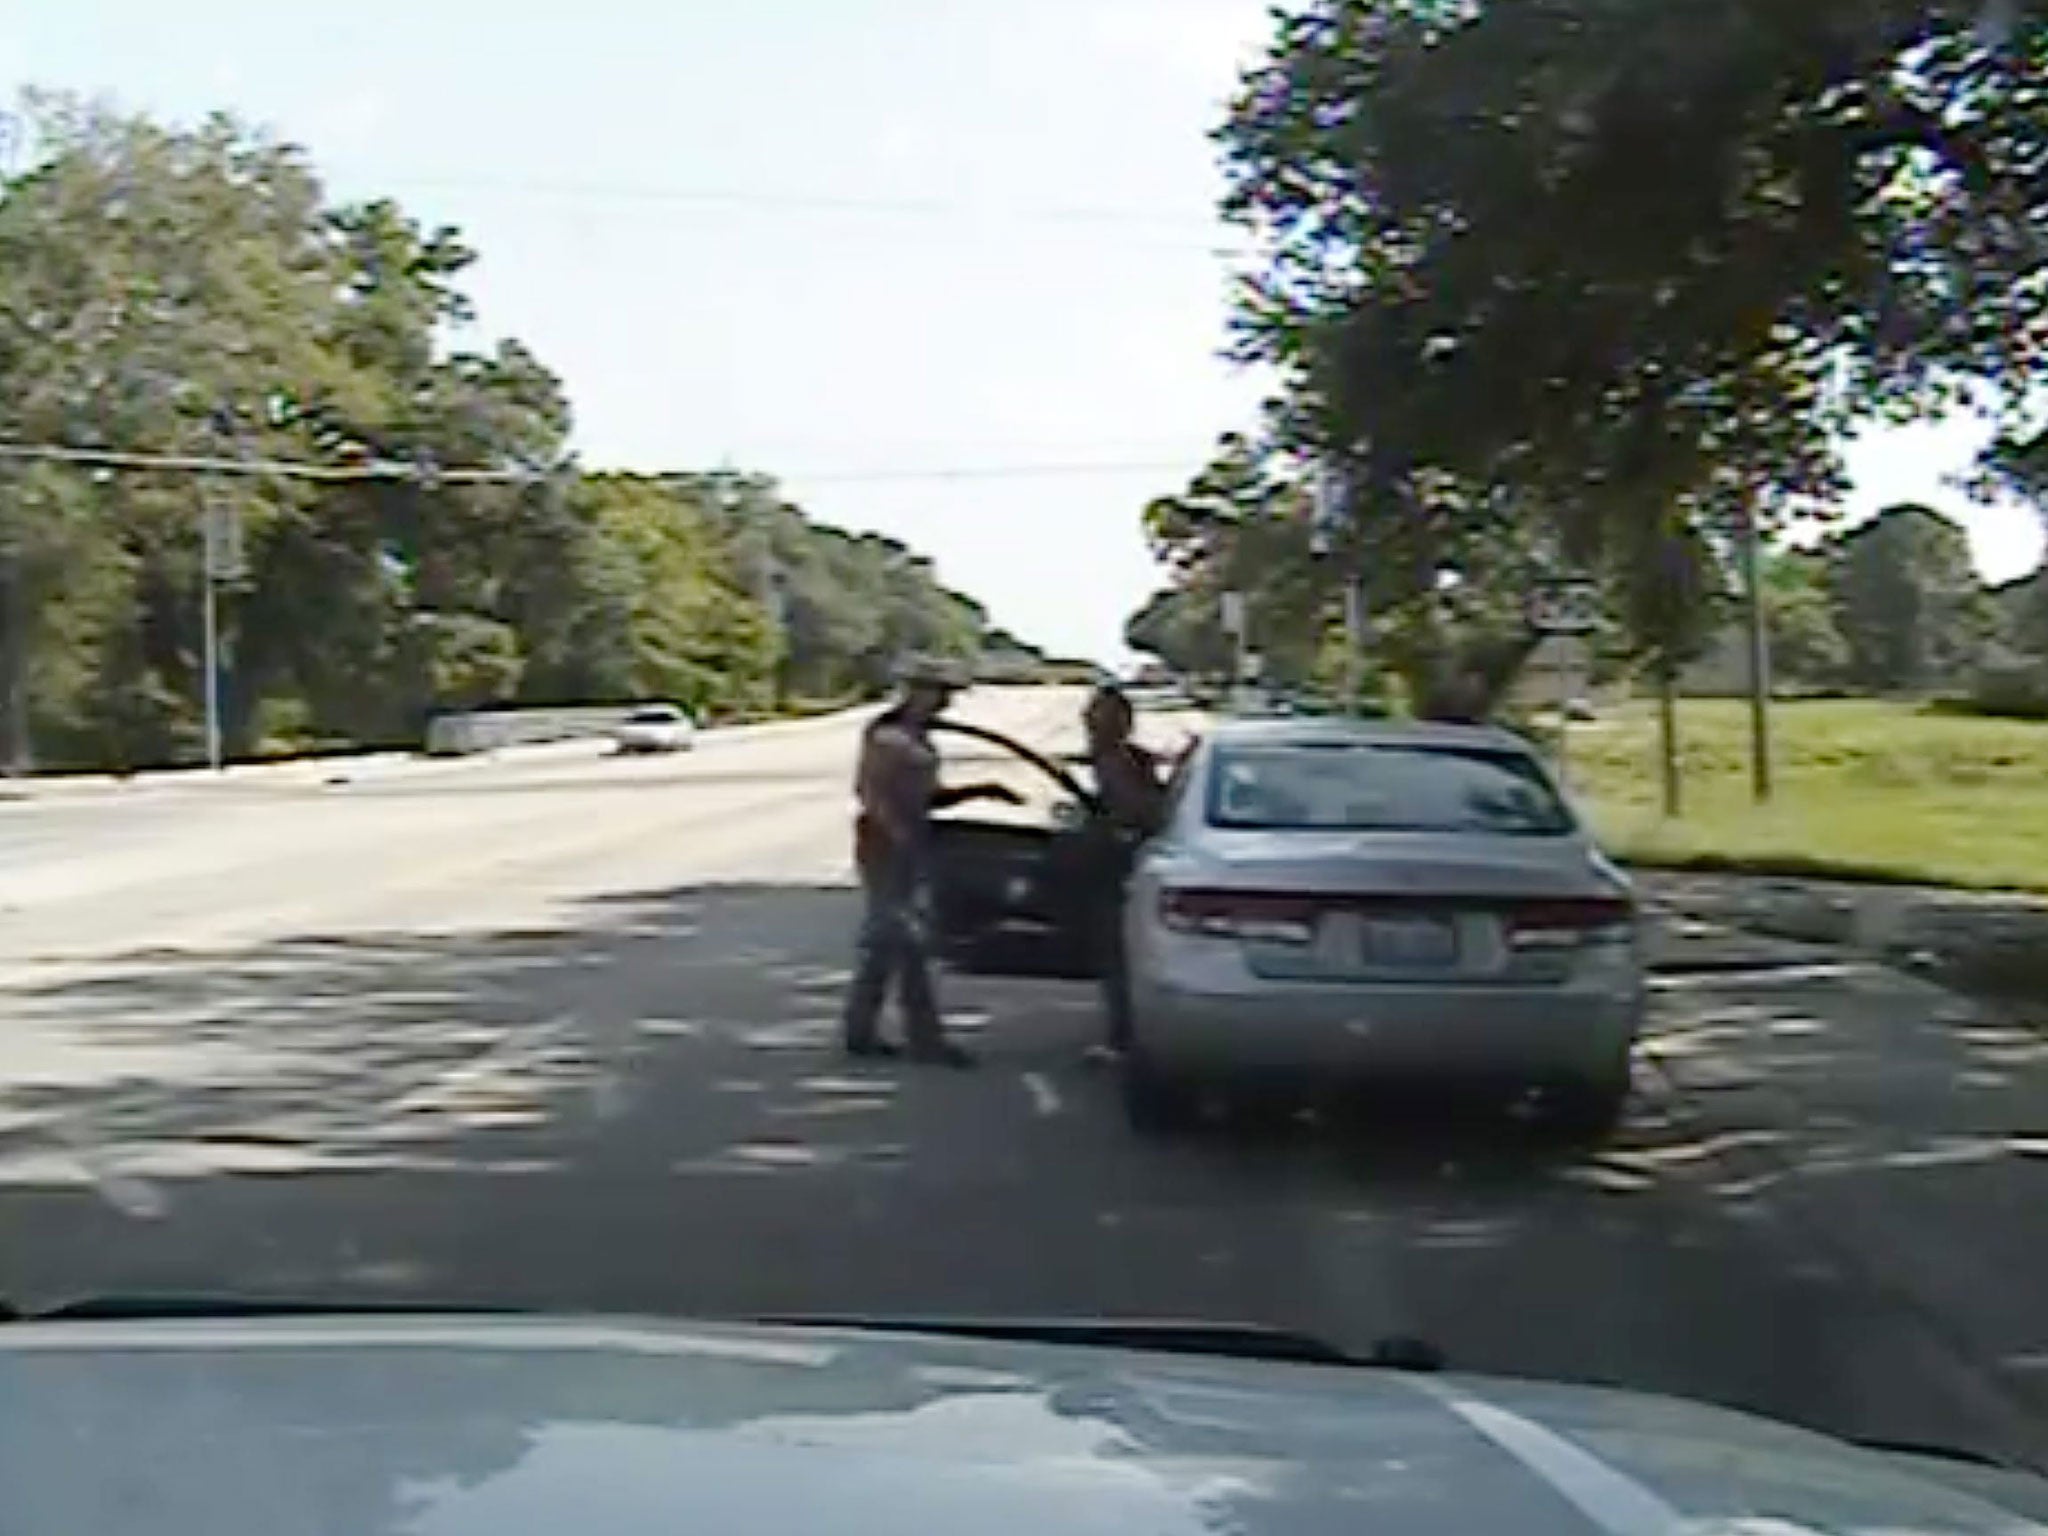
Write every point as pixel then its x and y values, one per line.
pixel 1568 922
pixel 1267 917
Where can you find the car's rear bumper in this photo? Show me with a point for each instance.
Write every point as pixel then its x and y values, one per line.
pixel 1339 1030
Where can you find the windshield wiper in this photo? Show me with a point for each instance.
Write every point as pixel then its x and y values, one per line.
pixel 1934 1452
pixel 1231 1341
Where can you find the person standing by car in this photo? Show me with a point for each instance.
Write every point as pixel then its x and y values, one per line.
pixel 897 787
pixel 1133 793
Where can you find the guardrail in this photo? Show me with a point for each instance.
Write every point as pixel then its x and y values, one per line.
pixel 490 729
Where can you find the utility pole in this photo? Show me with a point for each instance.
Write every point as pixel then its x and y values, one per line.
pixel 770 590
pixel 1759 656
pixel 211 510
pixel 1667 736
pixel 211 626
pixel 1666 608
pixel 775 602
pixel 13 561
pixel 1357 636
pixel 1237 624
pixel 221 559
pixel 1330 525
pixel 1564 611
pixel 14 537
pixel 217 558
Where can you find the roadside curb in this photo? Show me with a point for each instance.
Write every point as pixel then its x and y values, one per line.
pixel 341 772
pixel 296 773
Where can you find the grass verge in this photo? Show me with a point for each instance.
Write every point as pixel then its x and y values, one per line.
pixel 1866 790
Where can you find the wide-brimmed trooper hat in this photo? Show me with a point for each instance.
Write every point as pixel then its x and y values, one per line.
pixel 923 671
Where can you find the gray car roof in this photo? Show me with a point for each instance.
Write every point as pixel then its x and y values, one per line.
pixel 1328 730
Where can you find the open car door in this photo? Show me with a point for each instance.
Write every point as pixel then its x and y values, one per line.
pixel 1015 898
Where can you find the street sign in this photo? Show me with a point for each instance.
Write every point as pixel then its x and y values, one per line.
pixel 1332 505
pixel 1233 614
pixel 1357 618
pixel 1565 608
pixel 1556 677
pixel 226 557
pixel 1556 670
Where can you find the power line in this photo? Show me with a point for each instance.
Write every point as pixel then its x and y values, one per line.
pixel 404 470
pixel 288 469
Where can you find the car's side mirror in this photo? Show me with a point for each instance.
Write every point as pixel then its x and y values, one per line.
pixel 1070 816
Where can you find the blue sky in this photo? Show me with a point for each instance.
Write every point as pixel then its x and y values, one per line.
pixel 946 267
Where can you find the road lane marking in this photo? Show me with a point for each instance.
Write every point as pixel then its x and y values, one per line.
pixel 1612 1500
pixel 1045 1099
pixel 1764 973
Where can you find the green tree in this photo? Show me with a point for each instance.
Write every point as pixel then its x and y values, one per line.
pixel 1611 263
pixel 695 635
pixel 1183 627
pixel 1908 602
pixel 1240 527
pixel 156 285
pixel 1445 581
pixel 2022 608
pixel 1807 648
pixel 852 605
pixel 180 292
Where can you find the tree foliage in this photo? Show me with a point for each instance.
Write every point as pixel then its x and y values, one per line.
pixel 1912 614
pixel 1808 649
pixel 1582 239
pixel 1588 284
pixel 1444 591
pixel 194 292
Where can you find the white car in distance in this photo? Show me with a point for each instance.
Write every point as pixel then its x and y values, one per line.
pixel 655 728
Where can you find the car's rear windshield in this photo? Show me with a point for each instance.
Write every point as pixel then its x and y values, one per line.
pixel 1384 787
pixel 655 714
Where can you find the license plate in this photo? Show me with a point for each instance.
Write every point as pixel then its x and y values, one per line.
pixel 1413 942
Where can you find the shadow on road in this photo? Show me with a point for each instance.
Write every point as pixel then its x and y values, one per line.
pixel 641 1108
pixel 708 1011
pixel 1901 1132
pixel 410 1049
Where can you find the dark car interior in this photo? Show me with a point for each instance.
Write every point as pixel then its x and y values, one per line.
pixel 1014 897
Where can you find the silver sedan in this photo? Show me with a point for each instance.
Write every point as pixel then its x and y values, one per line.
pixel 1331 901
pixel 1342 898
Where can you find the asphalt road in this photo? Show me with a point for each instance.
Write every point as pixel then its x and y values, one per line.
pixel 559 1032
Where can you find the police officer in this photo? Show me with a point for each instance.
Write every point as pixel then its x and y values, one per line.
pixel 897 787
